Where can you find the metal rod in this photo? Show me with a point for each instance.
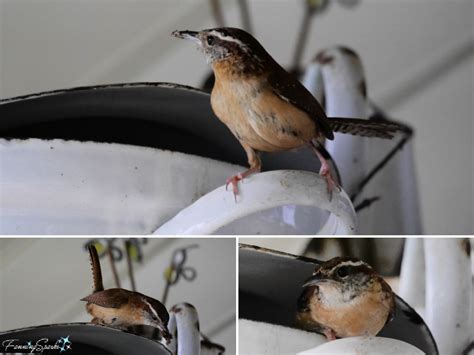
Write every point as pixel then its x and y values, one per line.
pixel 301 39
pixel 429 75
pixel 245 14
pixel 128 245
pixel 217 12
pixel 112 264
pixel 408 132
pixel 166 292
pixel 366 203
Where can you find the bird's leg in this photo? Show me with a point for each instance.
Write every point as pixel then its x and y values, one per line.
pixel 329 334
pixel 255 167
pixel 325 170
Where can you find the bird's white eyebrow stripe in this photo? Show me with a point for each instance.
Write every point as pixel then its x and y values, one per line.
pixel 349 263
pixel 152 309
pixel 226 38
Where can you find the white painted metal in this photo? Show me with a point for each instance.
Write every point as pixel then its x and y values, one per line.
pixel 412 274
pixel 2 263
pixel 258 194
pixel 184 327
pixel 397 211
pixel 264 338
pixel 64 187
pixel 364 346
pixel 449 293
pixel 210 351
pixel 313 80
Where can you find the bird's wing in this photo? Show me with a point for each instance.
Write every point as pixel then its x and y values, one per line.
pixel 111 298
pixel 291 90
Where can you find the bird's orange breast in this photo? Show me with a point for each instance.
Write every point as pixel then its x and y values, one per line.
pixel 364 315
pixel 257 116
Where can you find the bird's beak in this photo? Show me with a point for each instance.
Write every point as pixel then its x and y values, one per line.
pixel 164 330
pixel 315 281
pixel 192 35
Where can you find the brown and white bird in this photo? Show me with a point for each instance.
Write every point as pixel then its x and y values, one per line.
pixel 345 297
pixel 264 106
pixel 122 309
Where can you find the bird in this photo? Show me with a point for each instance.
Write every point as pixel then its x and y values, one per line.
pixel 120 308
pixel 265 107
pixel 343 298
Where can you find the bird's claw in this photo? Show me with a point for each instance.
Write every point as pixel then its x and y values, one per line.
pixel 330 334
pixel 234 180
pixel 331 184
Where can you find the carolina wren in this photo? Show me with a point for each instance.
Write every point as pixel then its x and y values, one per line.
pixel 345 297
pixel 120 308
pixel 265 107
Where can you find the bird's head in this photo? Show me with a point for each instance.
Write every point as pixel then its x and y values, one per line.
pixel 342 279
pixel 153 313
pixel 228 44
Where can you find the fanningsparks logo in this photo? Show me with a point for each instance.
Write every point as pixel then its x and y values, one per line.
pixel 62 344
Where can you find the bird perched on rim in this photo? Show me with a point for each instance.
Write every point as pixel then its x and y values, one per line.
pixel 122 309
pixel 265 107
pixel 345 297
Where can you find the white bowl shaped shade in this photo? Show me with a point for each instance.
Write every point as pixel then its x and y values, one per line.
pixel 71 187
pixel 365 346
pixel 272 202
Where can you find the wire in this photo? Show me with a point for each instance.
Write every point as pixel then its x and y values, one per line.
pixel 407 131
pixel 176 270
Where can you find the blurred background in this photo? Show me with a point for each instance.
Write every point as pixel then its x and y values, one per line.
pixel 418 56
pixel 371 250
pixel 43 280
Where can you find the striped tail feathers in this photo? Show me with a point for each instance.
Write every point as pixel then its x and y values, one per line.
pixel 95 266
pixel 363 127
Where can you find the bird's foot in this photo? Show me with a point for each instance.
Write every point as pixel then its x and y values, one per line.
pixel 331 183
pixel 325 170
pixel 329 334
pixel 234 180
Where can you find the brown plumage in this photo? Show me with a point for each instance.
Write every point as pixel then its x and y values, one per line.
pixel 120 308
pixel 345 297
pixel 95 268
pixel 264 106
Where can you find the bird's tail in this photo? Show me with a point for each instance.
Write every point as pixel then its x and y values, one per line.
pixel 363 128
pixel 96 271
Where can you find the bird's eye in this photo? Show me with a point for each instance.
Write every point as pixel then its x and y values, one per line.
pixel 343 272
pixel 210 40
